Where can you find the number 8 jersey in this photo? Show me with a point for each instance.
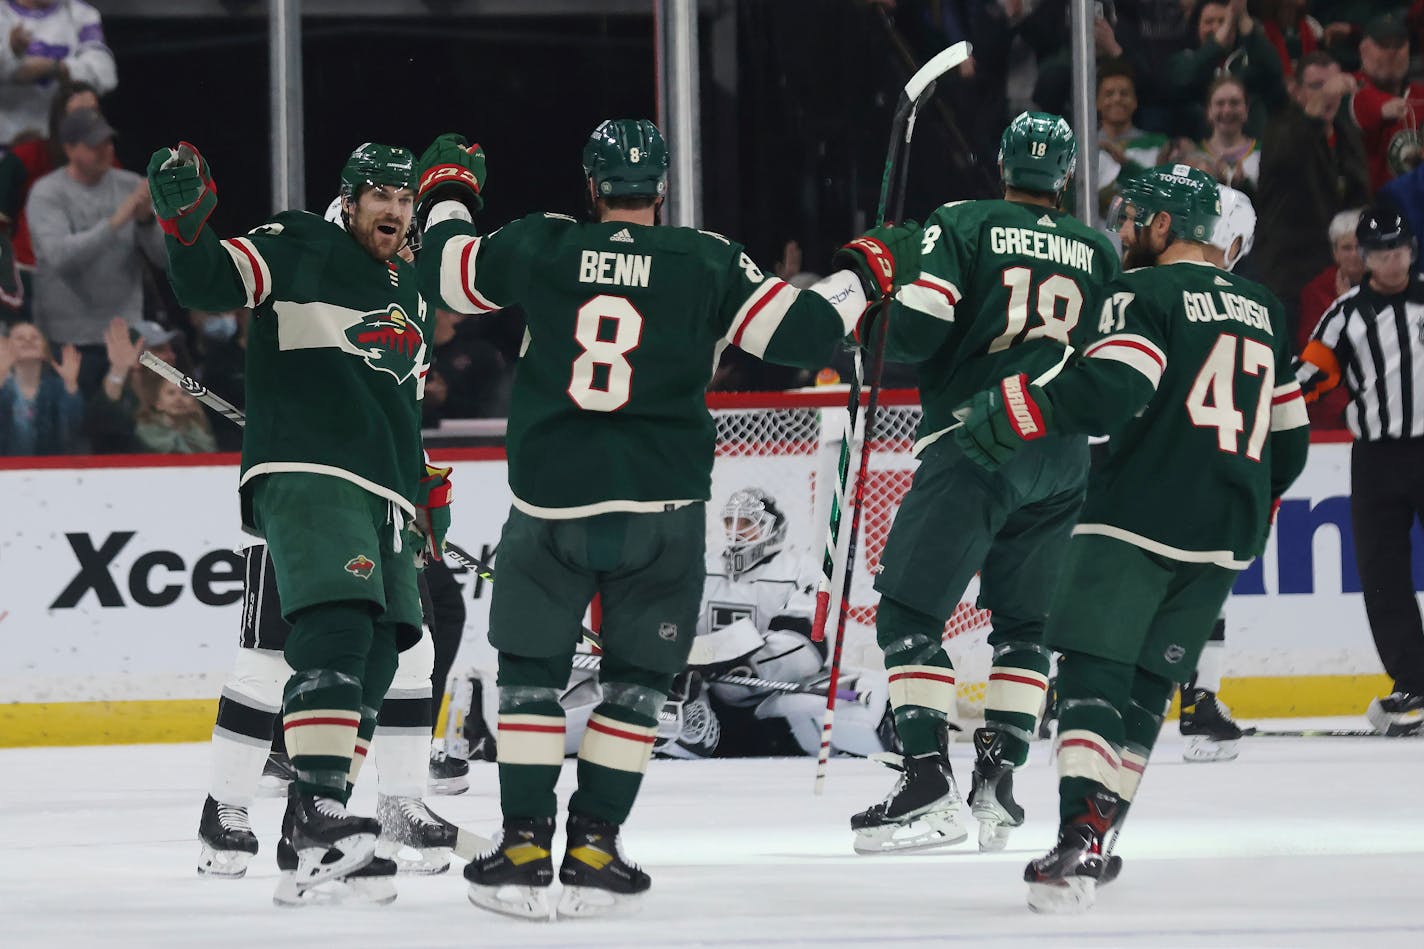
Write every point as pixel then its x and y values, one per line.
pixel 625 326
pixel 1002 287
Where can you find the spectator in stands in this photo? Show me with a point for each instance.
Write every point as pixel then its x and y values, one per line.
pixel 92 226
pixel 1328 412
pixel 12 202
pixel 46 43
pixel 1132 149
pixel 1229 42
pixel 41 411
pixel 1292 32
pixel 113 409
pixel 1312 168
pixel 169 421
pixel 470 378
pixel 221 363
pixel 1386 106
pixel 1235 156
pixel 1115 40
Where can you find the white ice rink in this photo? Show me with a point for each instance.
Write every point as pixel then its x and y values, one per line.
pixel 1301 842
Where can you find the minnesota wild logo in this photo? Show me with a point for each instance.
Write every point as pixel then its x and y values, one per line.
pixel 389 341
pixel 360 566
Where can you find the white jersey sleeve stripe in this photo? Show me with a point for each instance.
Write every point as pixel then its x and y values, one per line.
pixel 930 296
pixel 457 277
pixel 1133 351
pixel 251 268
pixel 760 316
pixel 1288 408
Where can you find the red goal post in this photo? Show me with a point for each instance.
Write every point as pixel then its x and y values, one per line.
pixel 787 444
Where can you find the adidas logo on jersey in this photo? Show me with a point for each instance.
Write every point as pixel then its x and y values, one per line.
pixel 1046 221
pixel 622 237
pixel 1222 282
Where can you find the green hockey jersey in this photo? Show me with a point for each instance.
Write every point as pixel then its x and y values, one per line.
pixel 1002 287
pixel 336 350
pixel 1190 373
pixel 625 326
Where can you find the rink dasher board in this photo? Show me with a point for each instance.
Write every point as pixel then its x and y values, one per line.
pixel 120 582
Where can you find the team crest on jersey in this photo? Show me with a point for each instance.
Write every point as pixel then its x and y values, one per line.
pixel 1174 653
pixel 360 566
pixel 388 340
pixel 668 631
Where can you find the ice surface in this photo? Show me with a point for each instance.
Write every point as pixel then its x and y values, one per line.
pixel 1301 842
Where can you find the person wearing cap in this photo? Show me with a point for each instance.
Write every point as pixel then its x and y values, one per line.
pixel 1370 340
pixel 47 43
pixel 1386 106
pixel 92 226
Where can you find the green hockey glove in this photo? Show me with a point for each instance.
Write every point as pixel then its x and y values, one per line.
pixel 884 258
pixel 432 514
pixel 450 170
pixel 183 191
pixel 997 422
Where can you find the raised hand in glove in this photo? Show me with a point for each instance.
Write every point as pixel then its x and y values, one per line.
pixel 451 169
pixel 183 191
pixel 432 513
pixel 998 422
pixel 884 258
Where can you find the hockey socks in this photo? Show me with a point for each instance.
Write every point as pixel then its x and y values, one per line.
pixel 1090 729
pixel 1018 681
pixel 618 742
pixel 921 674
pixel 530 735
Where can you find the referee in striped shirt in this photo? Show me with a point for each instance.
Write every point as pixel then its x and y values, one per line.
pixel 1372 340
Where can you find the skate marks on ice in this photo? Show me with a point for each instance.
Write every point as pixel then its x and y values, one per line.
pixel 1287 846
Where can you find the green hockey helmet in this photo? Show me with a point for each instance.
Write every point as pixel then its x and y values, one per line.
pixel 626 156
pixel 373 164
pixel 1188 194
pixel 1038 152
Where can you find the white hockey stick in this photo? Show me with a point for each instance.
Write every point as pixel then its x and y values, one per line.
pixel 194 388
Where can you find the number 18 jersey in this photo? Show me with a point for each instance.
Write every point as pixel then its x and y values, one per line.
pixel 625 326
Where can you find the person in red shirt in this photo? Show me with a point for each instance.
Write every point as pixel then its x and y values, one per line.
pixel 1328 412
pixel 1386 107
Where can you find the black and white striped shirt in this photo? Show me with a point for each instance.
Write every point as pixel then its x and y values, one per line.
pixel 1378 343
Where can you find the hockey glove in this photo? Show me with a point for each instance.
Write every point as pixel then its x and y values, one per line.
pixel 183 192
pixel 883 258
pixel 432 514
pixel 450 170
pixel 997 422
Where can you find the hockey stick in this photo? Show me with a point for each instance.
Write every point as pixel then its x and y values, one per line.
pixel 892 199
pixel 194 388
pixel 1324 733
pixel 592 662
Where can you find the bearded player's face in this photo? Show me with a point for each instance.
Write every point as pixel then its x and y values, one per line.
pixel 1141 246
pixel 380 218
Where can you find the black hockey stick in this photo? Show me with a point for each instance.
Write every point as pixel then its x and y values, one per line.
pixel 892 200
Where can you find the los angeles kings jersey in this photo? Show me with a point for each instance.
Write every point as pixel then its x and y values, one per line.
pixel 625 326
pixel 336 350
pixel 1203 357
pixel 1002 288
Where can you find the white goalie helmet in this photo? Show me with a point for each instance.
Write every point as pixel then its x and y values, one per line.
pixel 1236 228
pixel 755 529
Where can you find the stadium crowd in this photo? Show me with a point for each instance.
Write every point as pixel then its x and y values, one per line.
pixel 1308 106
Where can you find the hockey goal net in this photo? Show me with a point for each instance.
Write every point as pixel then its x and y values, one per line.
pixel 787 444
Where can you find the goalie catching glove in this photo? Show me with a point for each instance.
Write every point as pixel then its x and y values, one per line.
pixel 997 422
pixel 432 514
pixel 450 170
pixel 183 191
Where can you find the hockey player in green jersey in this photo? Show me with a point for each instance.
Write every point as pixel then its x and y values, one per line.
pixel 333 472
pixel 610 449
pixel 1005 286
pixel 1190 375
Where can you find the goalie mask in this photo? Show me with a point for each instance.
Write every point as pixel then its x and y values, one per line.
pixel 755 529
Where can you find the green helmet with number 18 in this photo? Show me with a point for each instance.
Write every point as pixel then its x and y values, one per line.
pixel 1038 152
pixel 626 157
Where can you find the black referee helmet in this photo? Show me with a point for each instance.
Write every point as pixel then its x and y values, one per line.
pixel 1381 227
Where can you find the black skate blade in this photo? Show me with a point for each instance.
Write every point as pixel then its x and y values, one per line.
pixel 592 902
pixel 521 902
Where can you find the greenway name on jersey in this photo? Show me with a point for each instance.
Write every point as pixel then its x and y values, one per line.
pixel 325 368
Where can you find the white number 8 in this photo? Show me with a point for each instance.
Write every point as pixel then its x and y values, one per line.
pixel 635 154
pixel 613 392
pixel 932 234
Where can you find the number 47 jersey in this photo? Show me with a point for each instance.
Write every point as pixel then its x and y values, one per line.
pixel 625 324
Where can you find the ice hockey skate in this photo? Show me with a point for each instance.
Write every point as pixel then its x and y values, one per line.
pixel 228 841
pixel 415 837
pixel 1065 879
pixel 375 883
pixel 1397 715
pixel 514 878
pixel 598 880
pixel 991 796
pixel 923 811
pixel 277 775
pixel 1206 724
pixel 448 774
pixel 328 841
